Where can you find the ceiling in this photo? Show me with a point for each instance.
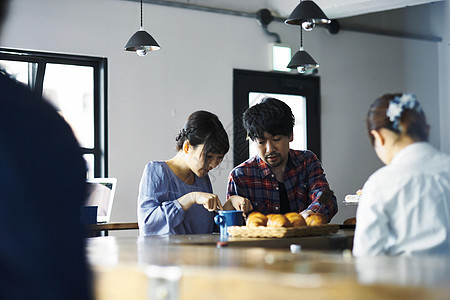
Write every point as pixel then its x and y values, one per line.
pixel 334 9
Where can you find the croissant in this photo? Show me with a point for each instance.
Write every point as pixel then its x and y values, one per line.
pixel 256 219
pixel 256 214
pixel 316 219
pixel 278 220
pixel 296 219
pixel 350 221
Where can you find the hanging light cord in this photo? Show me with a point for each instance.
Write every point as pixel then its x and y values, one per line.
pixel 301 38
pixel 142 27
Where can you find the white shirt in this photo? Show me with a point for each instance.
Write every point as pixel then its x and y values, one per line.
pixel 405 206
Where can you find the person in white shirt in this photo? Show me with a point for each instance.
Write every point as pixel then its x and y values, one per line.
pixel 405 205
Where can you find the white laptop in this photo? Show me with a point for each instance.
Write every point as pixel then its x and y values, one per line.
pixel 101 193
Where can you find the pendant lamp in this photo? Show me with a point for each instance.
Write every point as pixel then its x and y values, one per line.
pixel 141 42
pixel 308 14
pixel 302 61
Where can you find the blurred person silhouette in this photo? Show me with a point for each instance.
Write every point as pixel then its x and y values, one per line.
pixel 42 185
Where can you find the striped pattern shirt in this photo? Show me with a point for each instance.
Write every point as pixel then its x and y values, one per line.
pixel 303 179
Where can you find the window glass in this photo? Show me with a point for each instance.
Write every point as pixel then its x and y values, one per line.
pixel 70 89
pixel 298 107
pixel 76 86
pixel 89 158
pixel 16 69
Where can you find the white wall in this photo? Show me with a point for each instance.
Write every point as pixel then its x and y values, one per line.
pixel 150 97
pixel 444 71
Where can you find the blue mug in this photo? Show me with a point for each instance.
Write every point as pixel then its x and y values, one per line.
pixel 227 218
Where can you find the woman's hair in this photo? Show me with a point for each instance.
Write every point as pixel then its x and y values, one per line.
pixel 203 127
pixel 270 115
pixel 400 113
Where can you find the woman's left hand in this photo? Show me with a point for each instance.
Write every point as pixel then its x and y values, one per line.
pixel 238 203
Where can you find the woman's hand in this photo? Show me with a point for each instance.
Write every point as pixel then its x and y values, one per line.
pixel 238 203
pixel 209 201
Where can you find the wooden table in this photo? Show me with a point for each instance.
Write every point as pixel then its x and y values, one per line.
pixel 193 267
pixel 103 229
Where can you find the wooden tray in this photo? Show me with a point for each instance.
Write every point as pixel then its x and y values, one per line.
pixel 279 232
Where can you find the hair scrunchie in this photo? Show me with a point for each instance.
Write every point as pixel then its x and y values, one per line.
pixel 398 105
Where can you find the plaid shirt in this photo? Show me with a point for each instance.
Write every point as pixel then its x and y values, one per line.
pixel 303 178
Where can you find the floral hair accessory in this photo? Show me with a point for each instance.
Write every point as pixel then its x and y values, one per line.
pixel 398 105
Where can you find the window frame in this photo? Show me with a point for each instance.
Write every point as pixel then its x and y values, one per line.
pixel 99 65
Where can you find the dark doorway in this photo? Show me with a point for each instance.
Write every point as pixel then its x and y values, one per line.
pixel 250 84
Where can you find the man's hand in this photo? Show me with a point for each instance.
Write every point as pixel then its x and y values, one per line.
pixel 306 213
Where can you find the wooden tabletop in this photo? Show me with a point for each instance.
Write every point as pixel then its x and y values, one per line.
pixel 112 226
pixel 194 267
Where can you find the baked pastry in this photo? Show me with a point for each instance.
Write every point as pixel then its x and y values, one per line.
pixel 256 214
pixel 256 219
pixel 316 219
pixel 270 216
pixel 255 222
pixel 278 220
pixel 296 219
pixel 350 221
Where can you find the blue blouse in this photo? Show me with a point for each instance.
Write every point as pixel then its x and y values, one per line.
pixel 160 213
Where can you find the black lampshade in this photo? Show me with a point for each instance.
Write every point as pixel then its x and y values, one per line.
pixel 141 41
pixel 303 62
pixel 307 12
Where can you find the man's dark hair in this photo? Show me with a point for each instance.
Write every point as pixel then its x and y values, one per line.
pixel 270 115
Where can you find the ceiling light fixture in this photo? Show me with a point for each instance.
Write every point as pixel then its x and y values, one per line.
pixel 307 14
pixel 141 42
pixel 302 61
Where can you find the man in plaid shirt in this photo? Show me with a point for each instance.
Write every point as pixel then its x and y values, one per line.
pixel 279 179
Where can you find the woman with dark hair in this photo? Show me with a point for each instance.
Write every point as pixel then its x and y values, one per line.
pixel 405 206
pixel 175 196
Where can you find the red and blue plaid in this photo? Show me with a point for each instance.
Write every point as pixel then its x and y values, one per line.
pixel 304 180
